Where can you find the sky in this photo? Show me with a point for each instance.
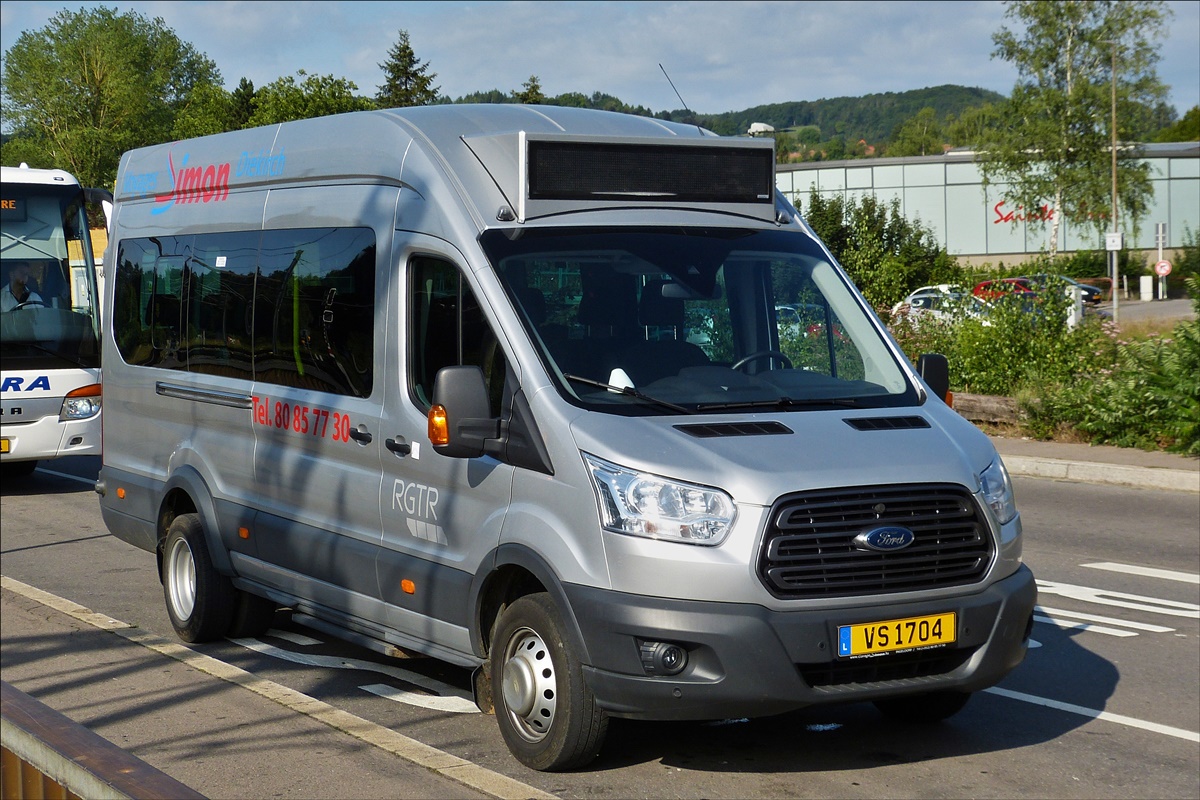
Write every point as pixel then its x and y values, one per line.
pixel 721 55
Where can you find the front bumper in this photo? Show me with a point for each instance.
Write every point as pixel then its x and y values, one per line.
pixel 745 660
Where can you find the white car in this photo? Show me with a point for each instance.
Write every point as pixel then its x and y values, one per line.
pixel 943 302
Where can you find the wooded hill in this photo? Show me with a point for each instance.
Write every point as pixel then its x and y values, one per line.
pixel 872 117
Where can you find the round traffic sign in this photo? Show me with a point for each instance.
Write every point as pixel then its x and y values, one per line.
pixel 1162 268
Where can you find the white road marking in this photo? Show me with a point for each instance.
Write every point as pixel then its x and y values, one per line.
pixel 446 697
pixel 88 481
pixel 1104 597
pixel 1141 626
pixel 295 638
pixel 1083 626
pixel 453 705
pixel 1120 719
pixel 1148 572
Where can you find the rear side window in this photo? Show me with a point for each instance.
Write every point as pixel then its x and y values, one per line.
pixel 291 307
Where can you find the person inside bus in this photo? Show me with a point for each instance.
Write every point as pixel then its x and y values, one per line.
pixel 18 292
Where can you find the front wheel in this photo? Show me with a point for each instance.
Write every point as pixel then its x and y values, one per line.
pixel 929 707
pixel 546 712
pixel 200 600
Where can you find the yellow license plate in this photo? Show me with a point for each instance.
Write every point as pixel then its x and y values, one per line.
pixel 911 633
pixel 5 445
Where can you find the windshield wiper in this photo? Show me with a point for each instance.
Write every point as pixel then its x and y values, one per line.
pixel 781 403
pixel 629 391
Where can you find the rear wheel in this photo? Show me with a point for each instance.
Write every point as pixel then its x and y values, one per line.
pixel 929 707
pixel 546 712
pixel 200 600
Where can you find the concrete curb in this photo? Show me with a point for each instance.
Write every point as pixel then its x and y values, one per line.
pixel 1111 474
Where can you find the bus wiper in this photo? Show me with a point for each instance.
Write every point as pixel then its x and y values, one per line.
pixel 629 391
pixel 781 403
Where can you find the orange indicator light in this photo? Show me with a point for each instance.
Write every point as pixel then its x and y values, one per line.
pixel 243 533
pixel 439 426
pixel 408 586
pixel 121 493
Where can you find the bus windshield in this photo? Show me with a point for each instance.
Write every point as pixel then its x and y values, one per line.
pixel 691 320
pixel 49 305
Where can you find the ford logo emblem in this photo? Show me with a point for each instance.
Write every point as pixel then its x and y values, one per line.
pixel 885 539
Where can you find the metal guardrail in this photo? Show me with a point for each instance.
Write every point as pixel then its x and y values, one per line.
pixel 47 755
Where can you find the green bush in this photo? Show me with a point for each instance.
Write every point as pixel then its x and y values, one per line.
pixel 885 255
pixel 1149 398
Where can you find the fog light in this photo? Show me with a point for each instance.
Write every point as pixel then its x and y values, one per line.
pixel 662 658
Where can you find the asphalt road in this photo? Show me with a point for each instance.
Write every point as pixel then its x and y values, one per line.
pixel 1105 706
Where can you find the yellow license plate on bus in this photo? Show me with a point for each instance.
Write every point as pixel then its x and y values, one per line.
pixel 910 633
pixel 5 445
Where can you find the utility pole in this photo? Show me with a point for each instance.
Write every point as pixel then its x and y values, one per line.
pixel 1113 126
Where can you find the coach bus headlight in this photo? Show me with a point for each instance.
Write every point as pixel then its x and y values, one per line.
pixel 83 403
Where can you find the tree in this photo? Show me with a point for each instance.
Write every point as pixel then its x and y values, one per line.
pixel 93 84
pixel 972 126
pixel 407 81
pixel 1053 145
pixel 241 106
pixel 531 92
pixel 885 255
pixel 284 99
pixel 918 136
pixel 1186 130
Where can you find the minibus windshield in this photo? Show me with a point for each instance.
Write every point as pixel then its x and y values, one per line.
pixel 686 320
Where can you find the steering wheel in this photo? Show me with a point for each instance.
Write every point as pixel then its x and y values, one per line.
pixel 775 354
pixel 28 303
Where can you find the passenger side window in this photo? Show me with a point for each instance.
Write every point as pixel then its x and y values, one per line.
pixel 314 314
pixel 447 328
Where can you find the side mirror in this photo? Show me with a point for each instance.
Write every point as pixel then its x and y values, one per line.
pixel 460 421
pixel 935 371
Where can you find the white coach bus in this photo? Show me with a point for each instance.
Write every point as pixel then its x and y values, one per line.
pixel 49 319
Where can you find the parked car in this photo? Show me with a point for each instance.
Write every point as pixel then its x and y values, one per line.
pixel 942 301
pixel 1091 295
pixel 993 290
pixel 806 318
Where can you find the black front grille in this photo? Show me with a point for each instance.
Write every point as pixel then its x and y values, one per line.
pixel 810 549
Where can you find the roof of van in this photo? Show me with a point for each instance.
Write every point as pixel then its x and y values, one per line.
pixel 475 148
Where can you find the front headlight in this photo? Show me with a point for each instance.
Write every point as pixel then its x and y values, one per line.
pixel 998 492
pixel 642 504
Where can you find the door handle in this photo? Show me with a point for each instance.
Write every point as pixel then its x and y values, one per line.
pixel 361 434
pixel 398 446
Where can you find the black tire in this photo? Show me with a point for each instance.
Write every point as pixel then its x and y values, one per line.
pixel 547 714
pixel 252 616
pixel 200 600
pixel 930 707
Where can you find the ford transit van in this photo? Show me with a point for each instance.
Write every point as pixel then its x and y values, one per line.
pixel 513 387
